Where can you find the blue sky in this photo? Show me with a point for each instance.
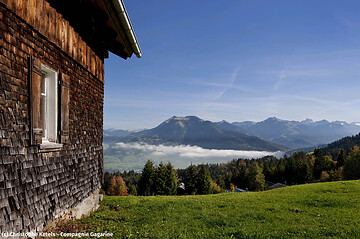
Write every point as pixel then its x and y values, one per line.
pixel 237 60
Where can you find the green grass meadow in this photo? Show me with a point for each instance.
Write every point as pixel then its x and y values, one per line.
pixel 320 210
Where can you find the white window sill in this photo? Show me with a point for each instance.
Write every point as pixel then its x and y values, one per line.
pixel 50 146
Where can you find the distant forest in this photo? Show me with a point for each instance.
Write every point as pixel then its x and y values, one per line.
pixel 338 161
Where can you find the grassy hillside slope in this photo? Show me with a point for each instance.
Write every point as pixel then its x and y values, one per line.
pixel 321 210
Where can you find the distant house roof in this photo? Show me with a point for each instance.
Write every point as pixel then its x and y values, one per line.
pixel 237 190
pixel 103 24
pixel 278 185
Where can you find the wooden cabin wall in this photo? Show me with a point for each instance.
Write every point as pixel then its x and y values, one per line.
pixel 45 20
pixel 36 186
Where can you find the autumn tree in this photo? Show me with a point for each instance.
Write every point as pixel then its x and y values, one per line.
pixel 232 187
pixel 214 188
pixel 336 174
pixel 322 163
pixel 324 176
pixel 117 187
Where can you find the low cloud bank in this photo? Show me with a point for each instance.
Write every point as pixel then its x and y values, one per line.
pixel 187 151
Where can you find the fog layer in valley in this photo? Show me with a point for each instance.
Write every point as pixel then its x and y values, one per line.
pixel 132 156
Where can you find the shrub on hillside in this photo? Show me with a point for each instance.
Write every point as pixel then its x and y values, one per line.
pixel 214 188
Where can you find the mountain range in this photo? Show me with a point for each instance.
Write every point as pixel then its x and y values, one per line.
pixel 113 135
pixel 272 134
pixel 194 131
pixel 299 134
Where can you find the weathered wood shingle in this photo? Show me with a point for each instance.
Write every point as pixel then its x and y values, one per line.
pixel 35 185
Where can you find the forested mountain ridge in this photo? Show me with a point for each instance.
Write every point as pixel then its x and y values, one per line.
pixel 347 144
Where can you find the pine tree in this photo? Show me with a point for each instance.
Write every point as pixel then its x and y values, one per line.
pixel 299 169
pixel 146 183
pixel 281 170
pixel 256 178
pixel 171 180
pixel 132 190
pixel 190 185
pixel 107 179
pixel 160 180
pixel 203 182
pixel 239 174
pixel 341 158
pixel 352 164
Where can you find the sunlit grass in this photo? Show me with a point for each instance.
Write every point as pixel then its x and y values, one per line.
pixel 321 210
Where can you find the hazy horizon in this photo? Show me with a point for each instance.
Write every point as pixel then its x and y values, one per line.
pixel 144 128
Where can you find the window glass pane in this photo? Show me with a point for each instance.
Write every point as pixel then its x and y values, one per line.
pixel 49 104
pixel 43 85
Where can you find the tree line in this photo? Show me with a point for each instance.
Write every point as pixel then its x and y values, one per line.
pixel 253 175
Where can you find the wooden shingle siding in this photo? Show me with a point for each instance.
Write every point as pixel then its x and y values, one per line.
pixel 36 186
pixel 44 19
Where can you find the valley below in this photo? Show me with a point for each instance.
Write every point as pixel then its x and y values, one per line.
pixel 133 156
pixel 182 141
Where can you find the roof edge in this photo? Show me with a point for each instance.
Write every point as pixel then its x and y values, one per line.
pixel 126 24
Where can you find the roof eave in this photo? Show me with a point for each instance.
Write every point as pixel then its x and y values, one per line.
pixel 121 17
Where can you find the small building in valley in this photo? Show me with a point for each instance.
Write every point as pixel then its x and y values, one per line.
pixel 278 185
pixel 51 105
pixel 239 190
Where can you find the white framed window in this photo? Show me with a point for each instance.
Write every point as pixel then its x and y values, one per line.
pixel 49 104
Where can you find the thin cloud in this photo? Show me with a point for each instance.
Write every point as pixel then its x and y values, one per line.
pixel 351 102
pixel 231 85
pixel 221 94
pixel 282 76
